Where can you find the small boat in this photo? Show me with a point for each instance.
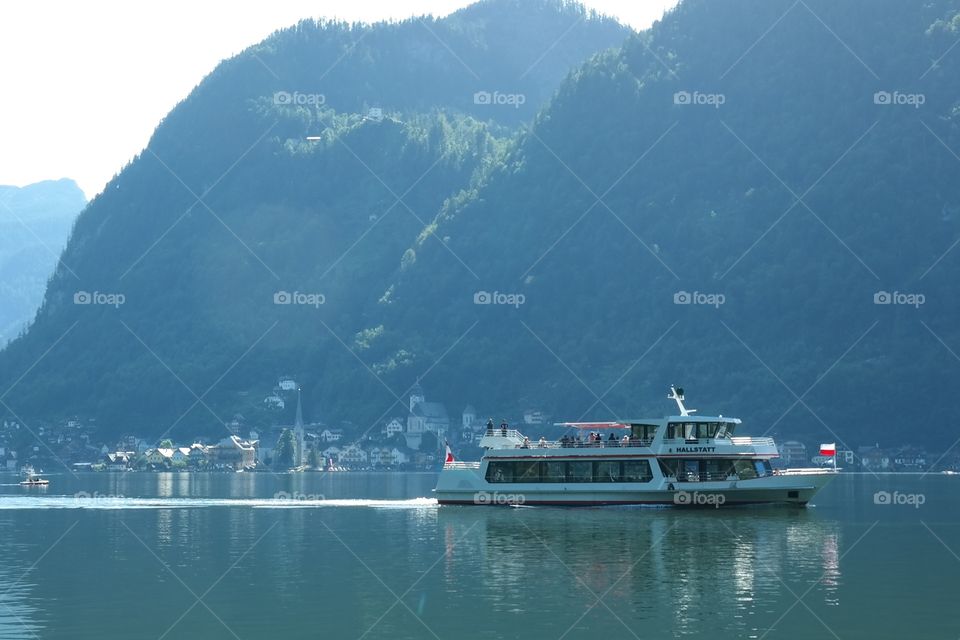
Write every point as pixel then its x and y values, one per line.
pixel 32 479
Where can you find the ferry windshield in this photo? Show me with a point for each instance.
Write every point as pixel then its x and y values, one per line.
pixel 700 430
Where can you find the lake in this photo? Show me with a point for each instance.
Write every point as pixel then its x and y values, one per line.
pixel 369 555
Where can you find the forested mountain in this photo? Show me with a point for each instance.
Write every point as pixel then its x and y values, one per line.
pixel 778 164
pixel 798 173
pixel 35 221
pixel 170 277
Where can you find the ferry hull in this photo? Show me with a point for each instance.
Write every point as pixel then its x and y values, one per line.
pixel 458 487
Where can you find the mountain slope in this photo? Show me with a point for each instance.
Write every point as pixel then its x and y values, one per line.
pixel 178 262
pixel 758 168
pixel 35 221
pixel 777 166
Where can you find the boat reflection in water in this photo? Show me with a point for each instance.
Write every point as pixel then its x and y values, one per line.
pixel 669 568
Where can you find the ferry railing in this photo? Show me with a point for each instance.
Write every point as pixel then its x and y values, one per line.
pixel 504 433
pixel 457 464
pixel 750 441
pixel 718 477
pixel 606 444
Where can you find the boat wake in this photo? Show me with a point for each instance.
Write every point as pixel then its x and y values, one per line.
pixel 283 501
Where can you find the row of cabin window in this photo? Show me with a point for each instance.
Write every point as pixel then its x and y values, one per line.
pixel 713 468
pixel 698 430
pixel 570 471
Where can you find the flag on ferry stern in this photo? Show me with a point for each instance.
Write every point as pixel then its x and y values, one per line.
pixel 449 455
pixel 828 450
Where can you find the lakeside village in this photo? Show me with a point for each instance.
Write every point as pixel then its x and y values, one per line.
pixel 414 442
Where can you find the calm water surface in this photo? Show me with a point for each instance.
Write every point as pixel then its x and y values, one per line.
pixel 371 556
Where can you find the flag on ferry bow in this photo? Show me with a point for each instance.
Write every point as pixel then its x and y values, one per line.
pixel 449 457
pixel 828 450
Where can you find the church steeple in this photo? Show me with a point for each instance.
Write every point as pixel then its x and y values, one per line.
pixel 298 434
pixel 298 421
pixel 416 395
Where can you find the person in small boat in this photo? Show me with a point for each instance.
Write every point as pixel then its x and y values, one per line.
pixel 489 426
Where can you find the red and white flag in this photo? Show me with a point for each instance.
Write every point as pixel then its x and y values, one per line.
pixel 449 455
pixel 828 450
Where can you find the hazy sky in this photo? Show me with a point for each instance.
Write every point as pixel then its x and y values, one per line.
pixel 85 83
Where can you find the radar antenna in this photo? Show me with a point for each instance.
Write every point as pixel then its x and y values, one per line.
pixel 676 393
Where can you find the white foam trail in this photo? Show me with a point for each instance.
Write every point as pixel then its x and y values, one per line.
pixel 107 502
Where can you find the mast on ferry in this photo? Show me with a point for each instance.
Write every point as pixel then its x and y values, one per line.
pixel 676 393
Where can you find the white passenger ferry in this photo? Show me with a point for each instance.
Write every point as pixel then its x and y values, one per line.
pixel 682 460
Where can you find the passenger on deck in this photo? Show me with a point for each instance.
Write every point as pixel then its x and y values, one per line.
pixel 489 426
pixel 543 443
pixel 625 441
pixel 503 428
pixel 526 443
pixel 612 440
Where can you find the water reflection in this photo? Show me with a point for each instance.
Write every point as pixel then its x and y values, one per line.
pixel 19 617
pixel 646 563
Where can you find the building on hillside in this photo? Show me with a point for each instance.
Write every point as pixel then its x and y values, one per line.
pixel 233 452
pixel 330 435
pixel 154 457
pixel 274 401
pixel 287 384
pixel 236 424
pixel 393 427
pixel 387 457
pixel 793 454
pixel 352 454
pixel 471 426
pixel 423 417
pixel 469 417
pixel 533 416
pixel 910 459
pixel 119 460
pixel 874 459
